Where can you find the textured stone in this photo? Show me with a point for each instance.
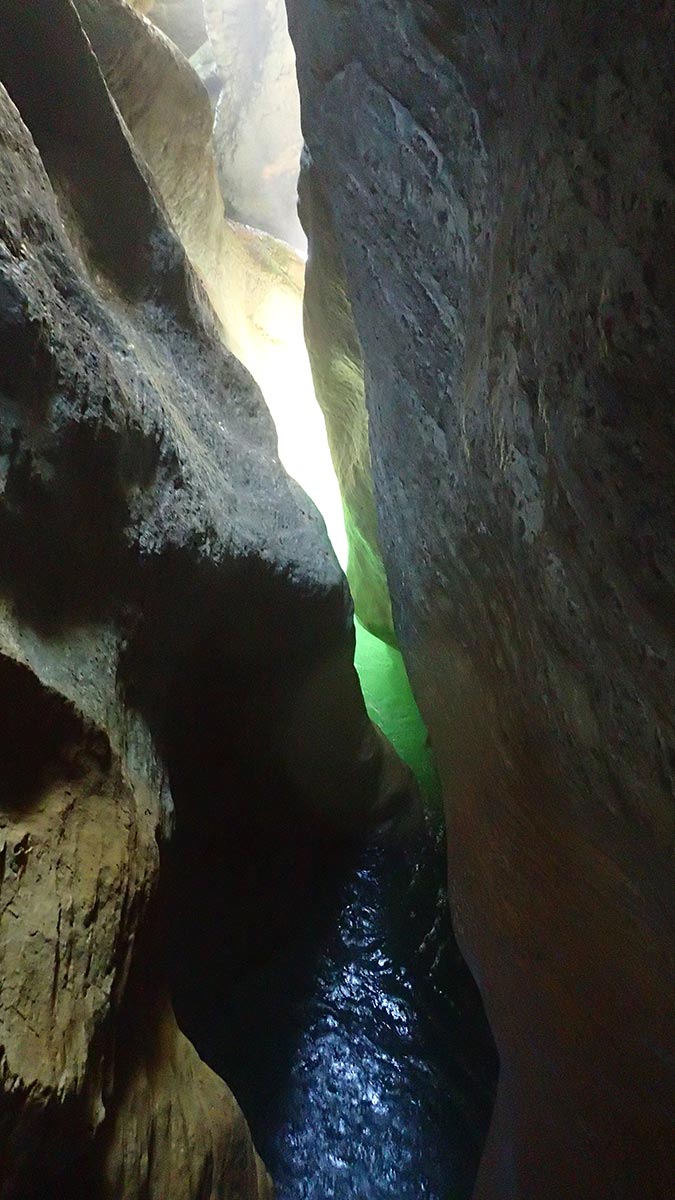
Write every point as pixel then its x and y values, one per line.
pixel 254 282
pixel 216 1156
pixel 149 537
pixel 78 866
pixel 500 183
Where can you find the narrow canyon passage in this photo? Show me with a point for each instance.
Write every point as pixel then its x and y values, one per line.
pixel 337 751
pixel 352 1035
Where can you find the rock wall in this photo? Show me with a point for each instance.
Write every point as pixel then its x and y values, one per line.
pixel 337 371
pixel 254 282
pixel 257 131
pixel 499 179
pixel 159 574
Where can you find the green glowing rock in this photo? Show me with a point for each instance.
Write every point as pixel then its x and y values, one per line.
pixel 391 705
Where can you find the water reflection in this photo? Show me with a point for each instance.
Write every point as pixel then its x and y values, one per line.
pixel 361 1058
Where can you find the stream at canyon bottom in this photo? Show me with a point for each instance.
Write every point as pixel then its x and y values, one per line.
pixel 360 1056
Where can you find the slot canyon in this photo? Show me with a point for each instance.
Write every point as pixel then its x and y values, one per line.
pixel 337 750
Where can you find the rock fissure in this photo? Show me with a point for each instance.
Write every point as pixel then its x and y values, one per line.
pixel 209 858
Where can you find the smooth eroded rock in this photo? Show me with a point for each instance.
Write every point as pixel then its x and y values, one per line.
pixel 168 601
pixel 500 184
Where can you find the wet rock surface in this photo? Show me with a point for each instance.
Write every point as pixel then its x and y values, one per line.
pixel 500 184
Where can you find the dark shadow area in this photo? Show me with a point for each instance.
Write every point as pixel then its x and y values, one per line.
pixel 42 738
pixel 65 561
pixel 255 867
pixel 317 973
pixel 51 1138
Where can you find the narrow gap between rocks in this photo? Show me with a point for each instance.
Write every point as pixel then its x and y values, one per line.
pixel 353 1035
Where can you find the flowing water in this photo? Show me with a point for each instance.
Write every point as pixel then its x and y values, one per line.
pixel 321 979
pixel 361 1057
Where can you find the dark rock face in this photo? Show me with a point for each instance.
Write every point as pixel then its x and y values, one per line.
pixel 500 183
pixel 166 594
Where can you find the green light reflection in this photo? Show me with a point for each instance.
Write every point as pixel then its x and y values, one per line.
pixel 391 705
